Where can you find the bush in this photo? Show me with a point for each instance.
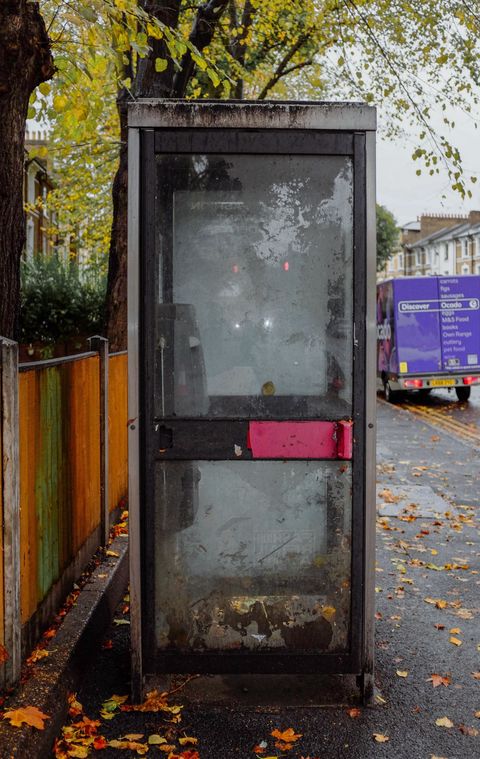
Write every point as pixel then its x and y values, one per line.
pixel 60 300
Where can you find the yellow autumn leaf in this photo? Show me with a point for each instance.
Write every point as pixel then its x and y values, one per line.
pixel 403 673
pixel 455 641
pixel 156 740
pixel 380 738
pixel 28 714
pixel 455 630
pixel 444 722
pixel 188 740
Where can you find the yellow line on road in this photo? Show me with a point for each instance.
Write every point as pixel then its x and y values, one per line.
pixel 439 419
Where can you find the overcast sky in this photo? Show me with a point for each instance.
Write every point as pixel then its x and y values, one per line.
pixel 406 194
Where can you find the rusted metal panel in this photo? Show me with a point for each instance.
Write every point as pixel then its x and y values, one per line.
pixel 117 429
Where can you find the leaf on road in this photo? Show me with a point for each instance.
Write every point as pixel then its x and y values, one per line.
pixel 402 673
pixel 287 736
pixel 74 707
pixel 29 715
pixel 140 748
pixel 466 730
pixel 156 740
pixel 112 553
pixel 354 713
pixel 438 602
pixel 188 740
pixel 112 705
pixel 380 738
pixel 444 722
pixel 437 680
pixel 455 641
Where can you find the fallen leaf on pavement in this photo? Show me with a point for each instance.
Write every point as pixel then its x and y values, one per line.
pixel 140 748
pixel 28 714
pixel 74 707
pixel 402 673
pixel 444 722
pixel 437 680
pixel 455 631
pixel 187 739
pixel 381 738
pixel 156 740
pixel 112 705
pixel 438 602
pixel 476 675
pixel 132 737
pixel 354 713
pixel 466 730
pixel 99 742
pixel 112 553
pixel 287 736
pixel 455 641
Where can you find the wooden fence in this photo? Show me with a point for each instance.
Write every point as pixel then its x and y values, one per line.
pixel 60 485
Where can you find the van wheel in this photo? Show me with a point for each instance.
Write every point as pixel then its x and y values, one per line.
pixel 463 393
pixel 391 396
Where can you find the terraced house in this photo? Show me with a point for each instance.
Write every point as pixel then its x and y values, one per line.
pixel 437 244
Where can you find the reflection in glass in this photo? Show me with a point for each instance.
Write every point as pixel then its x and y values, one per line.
pixel 260 251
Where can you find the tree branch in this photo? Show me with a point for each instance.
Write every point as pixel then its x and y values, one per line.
pixel 283 65
pixel 201 35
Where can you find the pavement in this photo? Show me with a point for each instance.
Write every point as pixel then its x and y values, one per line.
pixel 427 703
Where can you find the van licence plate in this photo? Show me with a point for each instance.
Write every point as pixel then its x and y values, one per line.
pixel 442 382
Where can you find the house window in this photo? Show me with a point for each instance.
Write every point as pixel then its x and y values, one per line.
pixel 465 269
pixel 465 248
pixel 418 260
pixel 400 260
pixel 445 252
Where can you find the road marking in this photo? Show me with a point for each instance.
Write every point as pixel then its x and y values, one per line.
pixel 439 419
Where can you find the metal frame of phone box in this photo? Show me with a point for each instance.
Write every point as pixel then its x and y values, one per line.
pixel 308 128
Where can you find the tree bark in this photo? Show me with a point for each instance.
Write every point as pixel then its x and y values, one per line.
pixel 25 62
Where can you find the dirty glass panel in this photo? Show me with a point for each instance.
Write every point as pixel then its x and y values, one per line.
pixel 254 317
pixel 252 555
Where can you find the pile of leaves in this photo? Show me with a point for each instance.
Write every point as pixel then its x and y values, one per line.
pixel 83 735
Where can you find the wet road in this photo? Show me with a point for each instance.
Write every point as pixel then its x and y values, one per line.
pixel 442 409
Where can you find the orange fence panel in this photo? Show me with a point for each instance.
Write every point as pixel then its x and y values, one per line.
pixel 59 470
pixel 117 429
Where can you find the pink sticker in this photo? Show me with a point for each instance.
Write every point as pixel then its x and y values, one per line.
pixel 293 440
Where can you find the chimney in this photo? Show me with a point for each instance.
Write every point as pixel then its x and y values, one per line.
pixel 474 217
pixel 431 223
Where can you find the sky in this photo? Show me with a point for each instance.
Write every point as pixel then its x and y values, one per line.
pixel 406 194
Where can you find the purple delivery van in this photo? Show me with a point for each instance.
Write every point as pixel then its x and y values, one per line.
pixel 428 334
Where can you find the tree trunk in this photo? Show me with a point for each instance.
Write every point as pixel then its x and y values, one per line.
pixel 148 83
pixel 25 62
pixel 117 260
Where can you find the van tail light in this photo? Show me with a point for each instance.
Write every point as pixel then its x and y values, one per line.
pixel 413 383
pixel 470 380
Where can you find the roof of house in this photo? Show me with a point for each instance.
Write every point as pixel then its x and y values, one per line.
pixel 446 233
